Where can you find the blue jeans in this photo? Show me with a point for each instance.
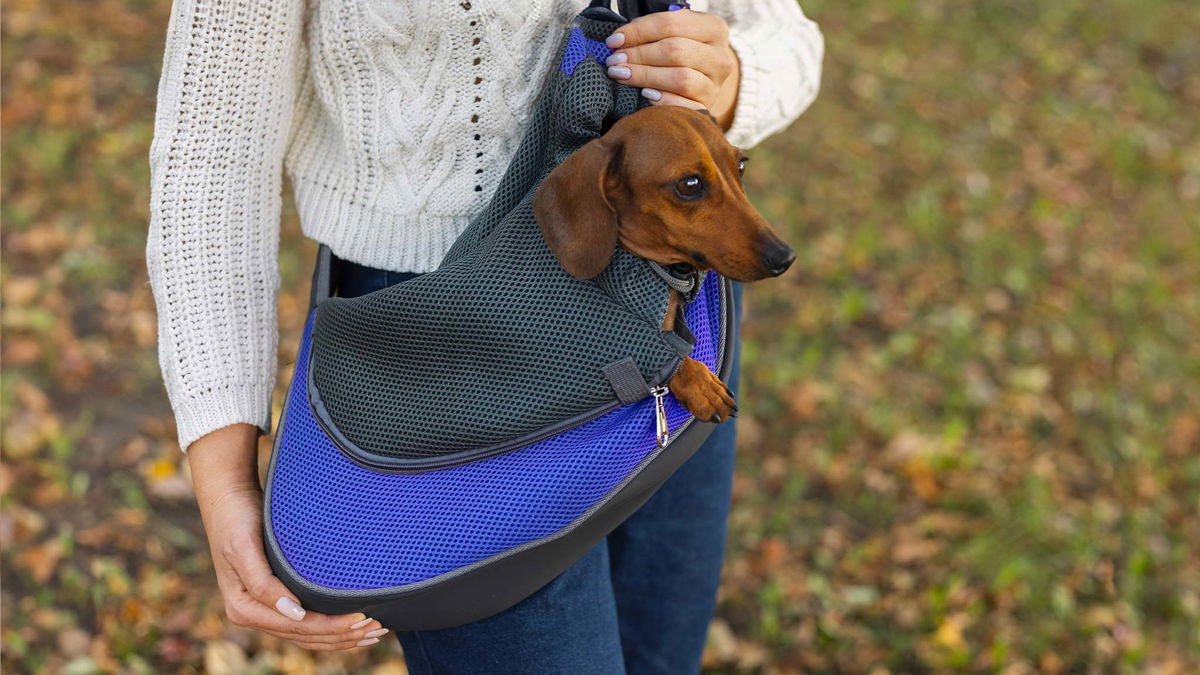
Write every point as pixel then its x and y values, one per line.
pixel 639 602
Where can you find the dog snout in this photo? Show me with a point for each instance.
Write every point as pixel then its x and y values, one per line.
pixel 778 258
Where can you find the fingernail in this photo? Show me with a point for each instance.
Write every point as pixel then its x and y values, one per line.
pixel 619 72
pixel 376 633
pixel 366 620
pixel 652 94
pixel 615 40
pixel 619 57
pixel 364 643
pixel 289 608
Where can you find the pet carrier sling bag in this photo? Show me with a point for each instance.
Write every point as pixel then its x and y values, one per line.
pixel 451 443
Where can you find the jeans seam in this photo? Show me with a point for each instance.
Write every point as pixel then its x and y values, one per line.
pixel 416 635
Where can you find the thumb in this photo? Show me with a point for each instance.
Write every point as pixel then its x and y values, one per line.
pixel 262 584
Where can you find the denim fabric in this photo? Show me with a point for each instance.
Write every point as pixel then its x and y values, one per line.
pixel 351 279
pixel 639 602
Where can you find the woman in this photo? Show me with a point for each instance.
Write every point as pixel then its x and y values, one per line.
pixel 395 121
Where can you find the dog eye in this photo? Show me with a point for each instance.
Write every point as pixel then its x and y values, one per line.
pixel 741 166
pixel 690 187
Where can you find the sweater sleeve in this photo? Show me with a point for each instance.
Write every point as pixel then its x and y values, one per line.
pixel 230 74
pixel 780 50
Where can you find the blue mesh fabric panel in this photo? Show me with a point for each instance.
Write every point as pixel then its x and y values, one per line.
pixel 578 48
pixel 342 526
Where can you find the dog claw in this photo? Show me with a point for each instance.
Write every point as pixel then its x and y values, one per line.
pixel 699 391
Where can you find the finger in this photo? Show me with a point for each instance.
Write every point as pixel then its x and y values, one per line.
pixel 686 82
pixel 657 97
pixel 699 26
pixel 315 627
pixel 328 647
pixel 714 62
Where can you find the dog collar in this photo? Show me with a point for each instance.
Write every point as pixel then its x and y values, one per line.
pixel 688 285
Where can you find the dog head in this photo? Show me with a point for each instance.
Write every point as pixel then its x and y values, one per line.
pixel 666 185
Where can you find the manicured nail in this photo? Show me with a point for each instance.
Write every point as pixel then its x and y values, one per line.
pixel 619 72
pixel 364 643
pixel 289 608
pixel 652 94
pixel 615 40
pixel 619 57
pixel 376 633
pixel 366 620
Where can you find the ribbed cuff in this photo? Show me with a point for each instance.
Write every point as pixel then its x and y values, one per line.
pixel 221 406
pixel 746 124
pixel 780 57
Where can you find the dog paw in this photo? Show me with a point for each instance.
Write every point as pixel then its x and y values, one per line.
pixel 703 394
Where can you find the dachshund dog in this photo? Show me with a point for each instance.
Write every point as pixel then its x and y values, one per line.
pixel 664 184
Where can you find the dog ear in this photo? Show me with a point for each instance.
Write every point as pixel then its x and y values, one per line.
pixel 574 211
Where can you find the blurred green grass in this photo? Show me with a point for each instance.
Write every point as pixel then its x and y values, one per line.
pixel 971 411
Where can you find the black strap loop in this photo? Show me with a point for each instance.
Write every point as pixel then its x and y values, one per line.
pixel 632 9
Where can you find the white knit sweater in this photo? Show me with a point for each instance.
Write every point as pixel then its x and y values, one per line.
pixel 394 120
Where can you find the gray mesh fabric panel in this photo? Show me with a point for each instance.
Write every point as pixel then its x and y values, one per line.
pixel 499 342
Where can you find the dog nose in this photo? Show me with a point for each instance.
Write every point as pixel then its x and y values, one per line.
pixel 778 259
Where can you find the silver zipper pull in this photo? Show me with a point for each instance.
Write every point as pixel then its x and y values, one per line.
pixel 661 431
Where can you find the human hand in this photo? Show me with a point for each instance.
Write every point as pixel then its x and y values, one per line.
pixel 679 58
pixel 231 502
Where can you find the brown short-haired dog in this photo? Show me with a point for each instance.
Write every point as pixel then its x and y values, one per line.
pixel 665 184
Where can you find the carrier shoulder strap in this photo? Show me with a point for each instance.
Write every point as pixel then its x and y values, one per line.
pixel 322 277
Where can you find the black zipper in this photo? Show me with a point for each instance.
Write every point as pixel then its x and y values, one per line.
pixel 421 465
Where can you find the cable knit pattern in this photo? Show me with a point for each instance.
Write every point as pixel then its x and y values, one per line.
pixel 394 120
